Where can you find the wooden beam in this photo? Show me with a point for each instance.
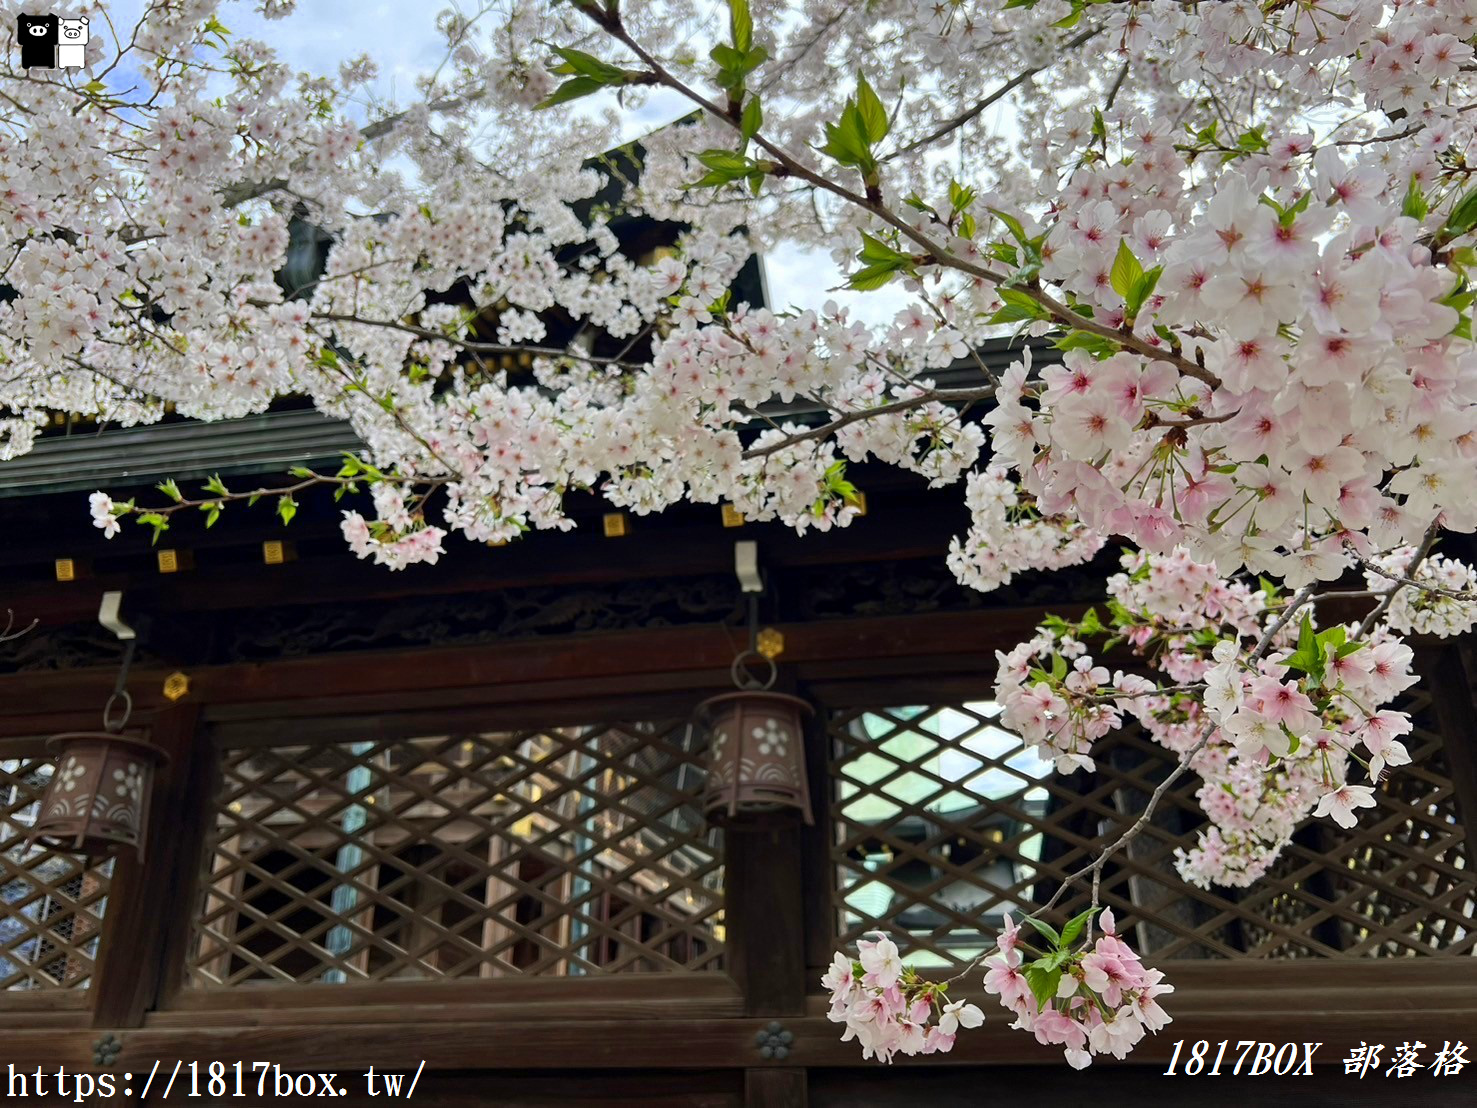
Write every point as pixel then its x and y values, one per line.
pixel 906 523
pixel 519 669
pixel 1339 1017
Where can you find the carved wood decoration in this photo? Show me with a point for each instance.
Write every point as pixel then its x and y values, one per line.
pixel 570 852
pixel 943 821
pixel 51 903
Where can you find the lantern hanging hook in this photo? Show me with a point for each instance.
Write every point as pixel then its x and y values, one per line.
pixel 751 582
pixel 120 702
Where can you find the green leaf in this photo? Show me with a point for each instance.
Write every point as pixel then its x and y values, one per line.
pixel 875 250
pixel 1012 224
pixel 1308 658
pixel 740 25
pixel 1127 271
pixel 873 276
pixel 1293 742
pixel 1018 307
pixel 286 508
pixel 1072 18
pixel 587 65
pixel 1463 216
pixel 1043 982
pixel 1416 205
pixel 216 486
pixel 1307 637
pixel 752 120
pixel 1058 666
pixel 1141 290
pixel 1048 932
pixel 725 166
pixel 725 161
pixel 1252 140
pixel 1096 345
pixel 873 114
pixel 171 490
pixel 159 523
pixel 573 89
pixel 1074 927
pixel 735 65
pixel 1335 635
pixel 846 141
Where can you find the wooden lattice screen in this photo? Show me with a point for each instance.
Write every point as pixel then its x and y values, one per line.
pixel 51 905
pixel 943 821
pixel 565 851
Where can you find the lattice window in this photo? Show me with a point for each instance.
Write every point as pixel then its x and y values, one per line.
pixel 51 905
pixel 553 852
pixel 943 821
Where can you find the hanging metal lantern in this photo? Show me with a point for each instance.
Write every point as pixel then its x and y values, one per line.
pixel 97 802
pixel 756 752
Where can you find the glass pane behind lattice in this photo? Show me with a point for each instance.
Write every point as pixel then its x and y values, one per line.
pixel 943 822
pixel 51 905
pixel 560 852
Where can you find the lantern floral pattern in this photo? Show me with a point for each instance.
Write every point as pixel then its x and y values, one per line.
pixel 772 738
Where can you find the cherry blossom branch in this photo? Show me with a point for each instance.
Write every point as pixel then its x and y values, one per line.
pixel 1384 605
pixel 10 632
pixel 473 345
pixel 952 125
pixel 1181 767
pixel 935 253
pixel 1424 586
pixel 932 396
pixel 235 195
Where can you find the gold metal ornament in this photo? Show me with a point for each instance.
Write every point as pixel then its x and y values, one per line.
pixel 177 686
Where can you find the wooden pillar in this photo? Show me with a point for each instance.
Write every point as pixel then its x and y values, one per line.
pixel 775 1088
pixel 1449 674
pixel 142 900
pixel 174 891
pixel 764 913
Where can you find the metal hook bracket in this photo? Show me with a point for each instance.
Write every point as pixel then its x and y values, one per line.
pixel 751 583
pixel 108 616
pixel 746 566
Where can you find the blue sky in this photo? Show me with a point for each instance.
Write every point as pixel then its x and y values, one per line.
pixel 404 42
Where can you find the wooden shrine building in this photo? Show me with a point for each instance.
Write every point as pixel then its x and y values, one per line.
pixel 452 816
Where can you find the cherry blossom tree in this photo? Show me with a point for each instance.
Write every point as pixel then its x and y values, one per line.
pixel 1247 227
